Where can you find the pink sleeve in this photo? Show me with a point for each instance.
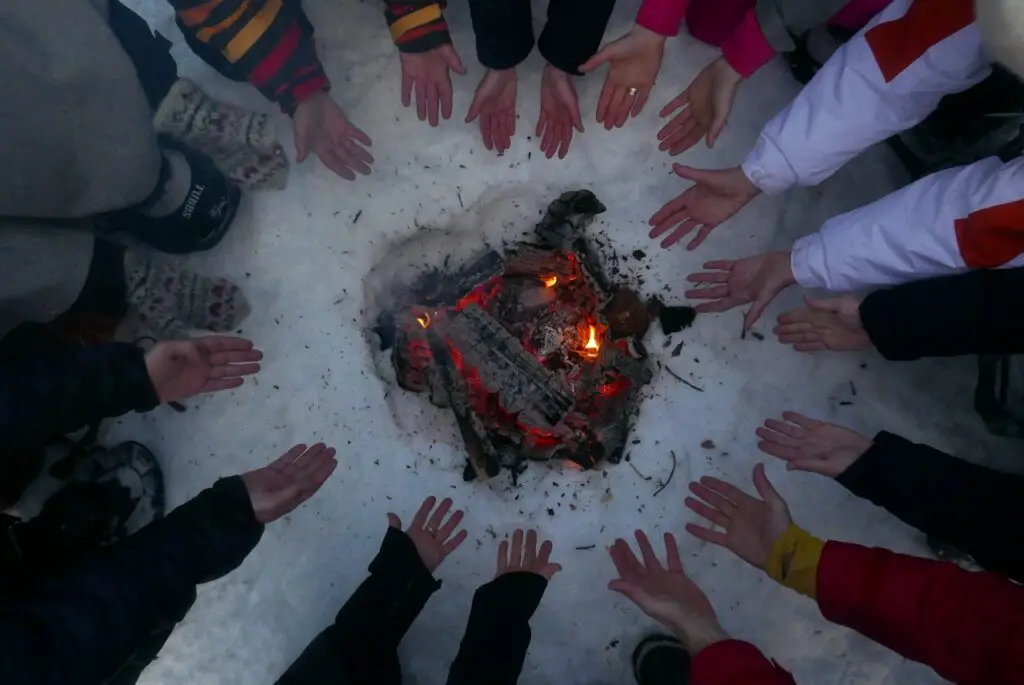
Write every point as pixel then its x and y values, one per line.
pixel 747 49
pixel 662 16
pixel 732 662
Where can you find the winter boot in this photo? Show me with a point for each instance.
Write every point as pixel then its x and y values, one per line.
pixel 661 660
pixel 170 299
pixel 112 493
pixel 992 397
pixel 190 210
pixel 190 115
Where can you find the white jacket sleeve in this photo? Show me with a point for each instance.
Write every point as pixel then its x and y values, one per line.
pixel 884 80
pixel 970 217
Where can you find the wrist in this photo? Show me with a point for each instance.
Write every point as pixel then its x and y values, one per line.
pixel 697 642
pixel 784 265
pixel 648 37
pixel 726 72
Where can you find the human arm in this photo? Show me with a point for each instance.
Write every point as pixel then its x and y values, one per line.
pixel 497 636
pixel 964 625
pixel 884 80
pixel 372 623
pixel 969 217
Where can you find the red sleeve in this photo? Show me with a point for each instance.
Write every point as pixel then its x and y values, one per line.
pixel 662 16
pixel 968 626
pixel 733 662
pixel 747 49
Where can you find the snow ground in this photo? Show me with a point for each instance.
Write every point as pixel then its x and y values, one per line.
pixel 303 257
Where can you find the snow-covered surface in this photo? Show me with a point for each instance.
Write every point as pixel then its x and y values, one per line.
pixel 302 258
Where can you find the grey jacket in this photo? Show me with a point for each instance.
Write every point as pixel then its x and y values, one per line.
pixel 76 139
pixel 780 19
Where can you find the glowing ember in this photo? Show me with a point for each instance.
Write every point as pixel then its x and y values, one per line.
pixel 549 281
pixel 592 348
pixel 424 320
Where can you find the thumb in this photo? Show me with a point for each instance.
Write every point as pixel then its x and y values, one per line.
pixel 716 128
pixel 755 312
pixel 474 109
pixel 696 175
pixel 454 61
pixel 623 587
pixel 301 145
pixel 764 487
pixel 600 57
pixel 820 466
pixel 827 305
pixel 394 521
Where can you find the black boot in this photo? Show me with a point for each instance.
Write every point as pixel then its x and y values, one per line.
pixel 190 210
pixel 661 660
pixel 112 494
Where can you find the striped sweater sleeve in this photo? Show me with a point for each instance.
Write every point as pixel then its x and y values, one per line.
pixel 417 25
pixel 268 40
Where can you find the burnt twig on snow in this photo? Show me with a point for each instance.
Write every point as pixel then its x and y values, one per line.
pixel 670 474
pixel 681 379
pixel 638 471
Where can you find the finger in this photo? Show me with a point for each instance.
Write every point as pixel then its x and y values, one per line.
pixel 287 458
pixel 419 521
pixel 640 102
pixel 764 486
pixel 406 90
pixel 678 101
pixel 510 123
pixel 549 570
pixel 804 422
pixel 234 357
pixel 631 592
pixel 433 104
pixel 756 310
pixel 332 161
pixel 354 145
pixel 308 461
pixel 564 140
pixel 454 543
pixel 487 130
pixel 599 58
pixel 530 551
pixel 516 554
pixel 711 514
pixel 790 429
pixel 717 124
pixel 233 371
pixel 544 554
pixel 222 384
pixel 709 277
pixel 301 145
pixel 498 132
pixel 604 102
pixel 309 487
pixel 449 527
pixel 675 563
pixel 794 338
pixel 726 490
pixel 454 61
pixel 688 130
pixel 787 454
pixel 811 347
pixel 505 130
pixel 215 344
pixel 660 219
pixel 356 133
pixel 681 231
pixel 726 505
pixel 777 439
pixel 833 305
pixel 647 552
pixel 626 563
pixel 545 142
pixel 701 236
pixel 435 521
pixel 474 110
pixel 574 111
pixel 674 124
pixel 620 101
pixel 715 292
pixel 445 93
pixel 503 564
pixel 627 105
pixel 421 99
pixel 798 317
pixel 394 521
pixel 350 160
pixel 715 537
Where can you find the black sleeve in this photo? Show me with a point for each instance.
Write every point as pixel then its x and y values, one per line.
pixel 82 625
pixel 48 388
pixel 975 313
pixel 504 31
pixel 494 647
pixel 976 509
pixel 574 31
pixel 360 646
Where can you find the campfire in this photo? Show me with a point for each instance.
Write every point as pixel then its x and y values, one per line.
pixel 535 352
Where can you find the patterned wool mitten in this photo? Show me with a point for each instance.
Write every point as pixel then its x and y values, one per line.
pixel 193 117
pixel 170 299
pixel 254 170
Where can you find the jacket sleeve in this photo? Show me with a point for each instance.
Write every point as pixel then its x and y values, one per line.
pixel 81 626
pixel 493 649
pixel 268 40
pixel 967 626
pixel 55 389
pixel 574 32
pixel 973 313
pixel 504 31
pixel 417 25
pixel 733 662
pixel 970 217
pixel 365 635
pixel 662 16
pixel 885 79
pixel 976 509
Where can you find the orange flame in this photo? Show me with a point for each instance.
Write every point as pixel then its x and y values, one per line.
pixel 424 320
pixel 592 348
pixel 549 281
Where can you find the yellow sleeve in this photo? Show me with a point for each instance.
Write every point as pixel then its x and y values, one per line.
pixel 793 560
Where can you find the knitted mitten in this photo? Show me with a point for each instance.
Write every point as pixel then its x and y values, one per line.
pixel 254 170
pixel 210 126
pixel 170 299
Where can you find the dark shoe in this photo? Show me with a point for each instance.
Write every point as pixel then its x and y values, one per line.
pixel 992 397
pixel 202 219
pixel 113 493
pixel 661 660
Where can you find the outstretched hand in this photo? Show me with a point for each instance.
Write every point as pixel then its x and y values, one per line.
pixel 180 369
pixel 321 127
pixel 434 537
pixel 279 488
pixel 495 105
pixel 633 65
pixel 427 75
pixel 833 324
pixel 559 112
pixel 751 525
pixel 526 558
pixel 705 106
pixel 665 593
pixel 714 198
pixel 806 444
pixel 756 280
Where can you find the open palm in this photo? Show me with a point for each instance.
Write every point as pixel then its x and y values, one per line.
pixel 279 488
pixel 180 369
pixel 806 444
pixel 495 105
